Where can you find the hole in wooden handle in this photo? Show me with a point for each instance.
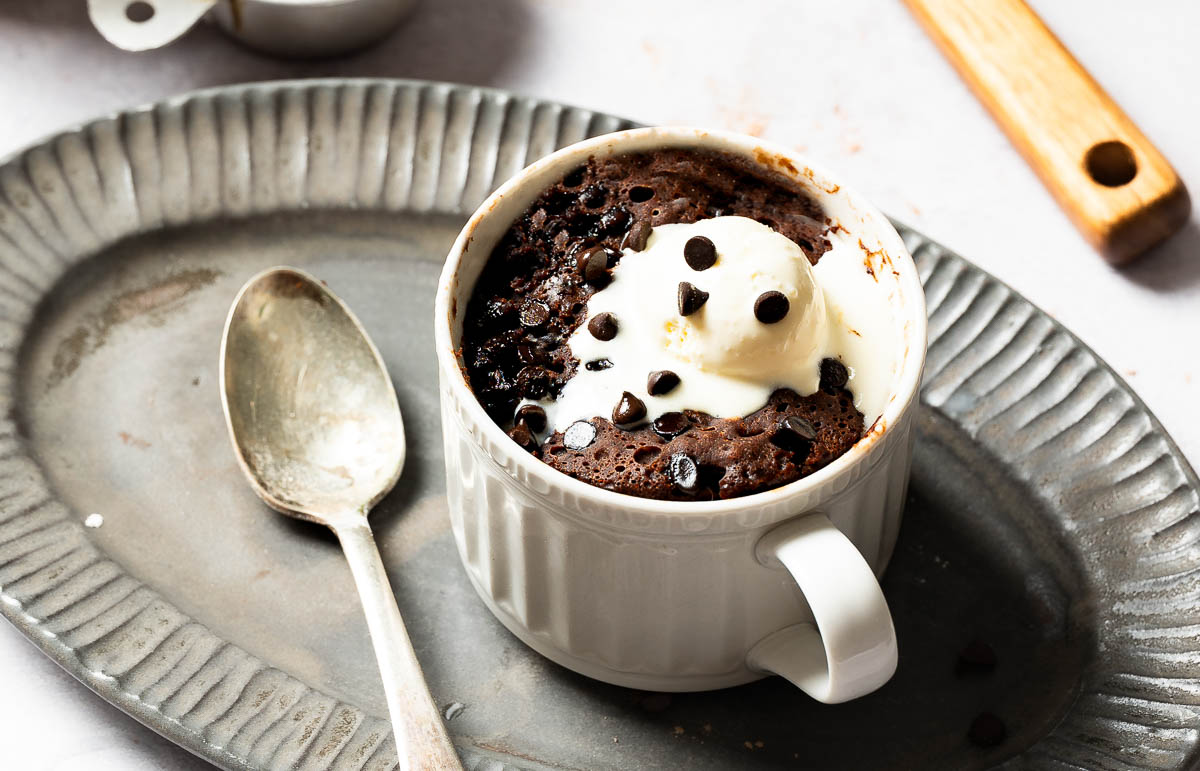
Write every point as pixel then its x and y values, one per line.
pixel 139 11
pixel 1110 163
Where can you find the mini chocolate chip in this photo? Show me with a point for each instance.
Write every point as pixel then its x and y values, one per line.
pixel 629 410
pixel 592 263
pixel 661 382
pixel 771 307
pixel 690 298
pixel 531 415
pixel 597 365
pixel 497 308
pixel 521 434
pixel 682 471
pixel 794 434
pixel 833 374
pixel 593 196
pixel 800 427
pixel 614 221
pixel 533 381
pixel 528 354
pixel 699 253
pixel 637 236
pixel 670 424
pixel 579 435
pixel 535 314
pixel 986 730
pixel 603 326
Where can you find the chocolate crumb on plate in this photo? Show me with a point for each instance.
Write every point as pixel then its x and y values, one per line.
pixel 986 730
pixel 977 657
pixel 597 365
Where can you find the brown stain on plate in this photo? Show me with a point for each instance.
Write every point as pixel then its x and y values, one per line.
pixel 342 729
pixel 505 749
pixel 133 441
pixel 149 302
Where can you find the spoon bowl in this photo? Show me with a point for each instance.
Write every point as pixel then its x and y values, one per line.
pixel 315 425
pixel 311 410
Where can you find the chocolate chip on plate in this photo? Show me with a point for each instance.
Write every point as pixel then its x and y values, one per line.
pixel 592 264
pixel 976 658
pixel 670 424
pixel 531 415
pixel 690 298
pixel 597 364
pixel 986 730
pixel 521 434
pixel 535 314
pixel 603 326
pixel 637 236
pixel 629 410
pixel 833 374
pixel 771 307
pixel 795 434
pixel 682 471
pixel 579 435
pixel 699 253
pixel 661 382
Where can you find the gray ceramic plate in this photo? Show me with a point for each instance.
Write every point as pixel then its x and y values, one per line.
pixel 1050 515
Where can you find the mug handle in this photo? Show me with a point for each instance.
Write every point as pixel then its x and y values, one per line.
pixel 852 649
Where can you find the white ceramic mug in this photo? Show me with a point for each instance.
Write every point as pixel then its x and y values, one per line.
pixel 685 596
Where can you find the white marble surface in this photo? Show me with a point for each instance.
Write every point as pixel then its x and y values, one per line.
pixel 853 83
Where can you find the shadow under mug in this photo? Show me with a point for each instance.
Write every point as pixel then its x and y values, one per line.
pixel 686 596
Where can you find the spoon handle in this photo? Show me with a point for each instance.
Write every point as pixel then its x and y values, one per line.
pixel 421 739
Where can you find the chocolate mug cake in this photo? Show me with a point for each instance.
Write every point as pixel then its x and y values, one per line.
pixel 663 324
pixel 634 334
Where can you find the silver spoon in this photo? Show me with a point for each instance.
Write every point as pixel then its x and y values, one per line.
pixel 316 427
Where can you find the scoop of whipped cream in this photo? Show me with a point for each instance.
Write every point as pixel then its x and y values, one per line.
pixel 728 361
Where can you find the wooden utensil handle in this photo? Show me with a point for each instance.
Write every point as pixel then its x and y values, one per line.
pixel 1119 190
pixel 421 739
